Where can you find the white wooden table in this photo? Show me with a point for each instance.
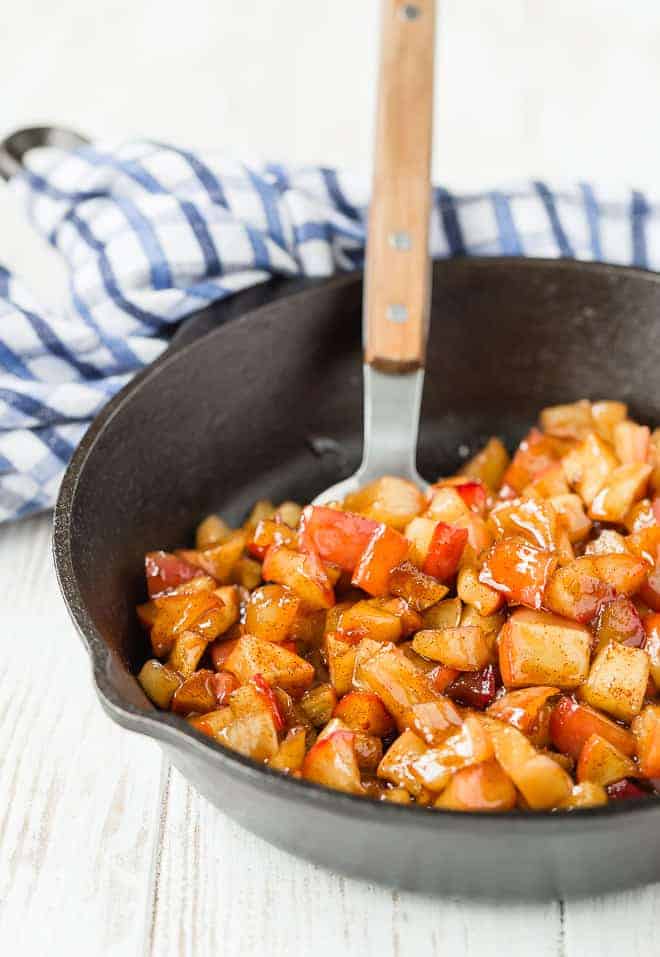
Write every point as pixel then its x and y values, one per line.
pixel 106 851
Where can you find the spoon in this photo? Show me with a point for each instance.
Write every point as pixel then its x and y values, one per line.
pixel 398 274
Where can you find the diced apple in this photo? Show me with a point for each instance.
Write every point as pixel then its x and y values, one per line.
pixel 535 454
pixel 471 744
pixel 588 466
pixel 271 611
pixel 290 513
pixel 625 790
pixel 319 703
pixel 617 681
pixel 253 735
pixel 333 763
pixel 537 648
pixel 572 724
pixel 302 573
pixel 433 721
pixel 165 571
pixel 646 728
pixel 641 515
pixel 572 515
pixel 601 762
pixel 489 464
pixel 270 532
pixel 385 550
pixel 364 711
pixel 577 590
pixel 394 501
pixel 608 542
pixel 518 570
pixel 474 592
pixel 524 708
pixel 396 765
pixel 366 620
pixel 446 614
pixel 481 787
pixel 531 519
pixel 290 754
pixel 463 648
pixel 420 590
pixel 277 665
pixel 341 661
pixel 631 442
pixel 475 689
pixel 543 783
pixel 622 487
pixel 174 614
pixel 186 653
pixel 395 679
pixel 337 536
pixel 606 416
pixel 219 560
pixel 571 421
pixel 473 492
pixel 551 482
pixel 618 620
pixel 220 651
pixel 586 794
pixel 651 624
pixel 203 691
pixel 211 531
pixel 213 722
pixel 490 625
pixel 445 550
pixel 158 682
pixel 419 533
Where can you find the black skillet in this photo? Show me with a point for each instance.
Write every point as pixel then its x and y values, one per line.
pixel 269 404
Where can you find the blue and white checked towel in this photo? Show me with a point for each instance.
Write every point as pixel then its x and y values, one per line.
pixel 151 233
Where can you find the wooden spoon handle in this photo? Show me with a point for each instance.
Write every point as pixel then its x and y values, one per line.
pixel 397 281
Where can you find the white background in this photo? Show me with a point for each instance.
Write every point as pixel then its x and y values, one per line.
pixel 554 88
pixel 103 850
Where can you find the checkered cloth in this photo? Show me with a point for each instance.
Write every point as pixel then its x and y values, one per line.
pixel 151 233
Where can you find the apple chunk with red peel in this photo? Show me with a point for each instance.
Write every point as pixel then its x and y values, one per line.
pixel 385 550
pixel 617 681
pixel 518 570
pixel 332 761
pixel 619 621
pixel 338 537
pixel 537 648
pixel 572 724
pixel 164 571
pixel 277 665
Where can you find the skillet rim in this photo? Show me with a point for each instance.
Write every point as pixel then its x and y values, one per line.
pixel 175 731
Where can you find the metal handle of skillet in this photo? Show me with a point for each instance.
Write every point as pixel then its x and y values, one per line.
pixel 14 147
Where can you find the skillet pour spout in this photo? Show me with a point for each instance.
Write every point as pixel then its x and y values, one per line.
pixel 269 404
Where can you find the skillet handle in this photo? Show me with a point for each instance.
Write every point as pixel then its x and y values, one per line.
pixel 14 146
pixel 398 274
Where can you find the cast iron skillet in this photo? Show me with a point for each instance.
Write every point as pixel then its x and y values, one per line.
pixel 270 405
